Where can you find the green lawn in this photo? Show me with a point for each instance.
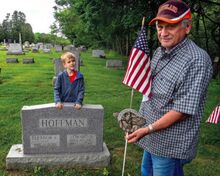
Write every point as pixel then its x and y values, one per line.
pixel 31 84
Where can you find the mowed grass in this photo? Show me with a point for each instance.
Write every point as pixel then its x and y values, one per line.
pixel 31 84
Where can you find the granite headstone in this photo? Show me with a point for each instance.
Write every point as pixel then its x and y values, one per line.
pixel 65 138
pixel 11 60
pixel 116 64
pixel 98 53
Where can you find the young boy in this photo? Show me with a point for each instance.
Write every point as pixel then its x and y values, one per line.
pixel 69 86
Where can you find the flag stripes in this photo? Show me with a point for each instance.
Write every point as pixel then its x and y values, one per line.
pixel 138 74
pixel 215 116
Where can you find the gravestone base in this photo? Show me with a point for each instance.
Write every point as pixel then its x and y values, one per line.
pixel 17 160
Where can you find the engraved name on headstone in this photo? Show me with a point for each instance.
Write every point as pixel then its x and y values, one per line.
pixel 63 123
pixel 44 141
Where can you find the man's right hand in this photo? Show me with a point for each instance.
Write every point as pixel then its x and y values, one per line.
pixel 136 135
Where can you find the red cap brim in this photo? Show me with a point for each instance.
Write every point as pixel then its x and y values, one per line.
pixel 187 15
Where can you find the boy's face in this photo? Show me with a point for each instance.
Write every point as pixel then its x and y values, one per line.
pixel 69 64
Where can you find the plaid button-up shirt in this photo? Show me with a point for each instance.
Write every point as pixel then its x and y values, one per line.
pixel 180 82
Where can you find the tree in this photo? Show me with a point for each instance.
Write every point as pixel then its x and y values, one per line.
pixel 114 24
pixel 27 33
pixel 17 24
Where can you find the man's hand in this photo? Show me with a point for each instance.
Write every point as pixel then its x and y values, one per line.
pixel 138 134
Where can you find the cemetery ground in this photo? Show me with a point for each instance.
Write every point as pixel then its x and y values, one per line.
pixel 31 84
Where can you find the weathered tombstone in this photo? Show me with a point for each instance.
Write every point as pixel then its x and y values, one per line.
pixel 116 64
pixel 40 45
pixel 60 138
pixel 82 48
pixel 98 53
pixel 15 49
pixel 46 50
pixel 58 66
pixel 28 60
pixel 11 60
pixel 35 50
pixel 26 44
pixel 48 46
pixel 58 48
pixel 77 54
pixel 69 48
pixel 9 40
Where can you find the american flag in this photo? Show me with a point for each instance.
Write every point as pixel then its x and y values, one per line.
pixel 215 115
pixel 138 73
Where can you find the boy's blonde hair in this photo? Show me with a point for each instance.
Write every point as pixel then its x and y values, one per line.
pixel 67 55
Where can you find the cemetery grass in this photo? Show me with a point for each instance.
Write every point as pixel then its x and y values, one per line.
pixel 31 84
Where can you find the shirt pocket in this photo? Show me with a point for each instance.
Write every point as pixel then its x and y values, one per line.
pixel 163 91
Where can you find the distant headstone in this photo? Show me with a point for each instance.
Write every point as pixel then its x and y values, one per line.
pixel 46 50
pixel 58 66
pixel 58 48
pixel 77 54
pixel 35 49
pixel 82 48
pixel 26 44
pixel 60 138
pixel 48 46
pixel 15 49
pixel 28 60
pixel 69 48
pixel 9 40
pixel 40 45
pixel 11 60
pixel 116 64
pixel 98 53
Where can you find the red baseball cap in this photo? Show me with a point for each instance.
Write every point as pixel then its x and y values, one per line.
pixel 172 11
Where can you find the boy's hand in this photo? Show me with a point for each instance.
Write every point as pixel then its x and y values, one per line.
pixel 59 105
pixel 77 106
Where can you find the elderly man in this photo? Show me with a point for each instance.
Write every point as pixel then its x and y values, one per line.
pixel 181 72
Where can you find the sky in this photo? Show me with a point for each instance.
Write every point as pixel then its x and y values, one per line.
pixel 39 13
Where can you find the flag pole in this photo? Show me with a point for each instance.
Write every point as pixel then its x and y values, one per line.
pixel 132 95
pixel 125 151
pixel 126 141
pixel 143 21
pixel 131 100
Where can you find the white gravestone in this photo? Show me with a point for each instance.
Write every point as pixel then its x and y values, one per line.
pixel 15 49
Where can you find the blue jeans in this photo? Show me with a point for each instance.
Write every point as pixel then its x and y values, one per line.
pixel 153 165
